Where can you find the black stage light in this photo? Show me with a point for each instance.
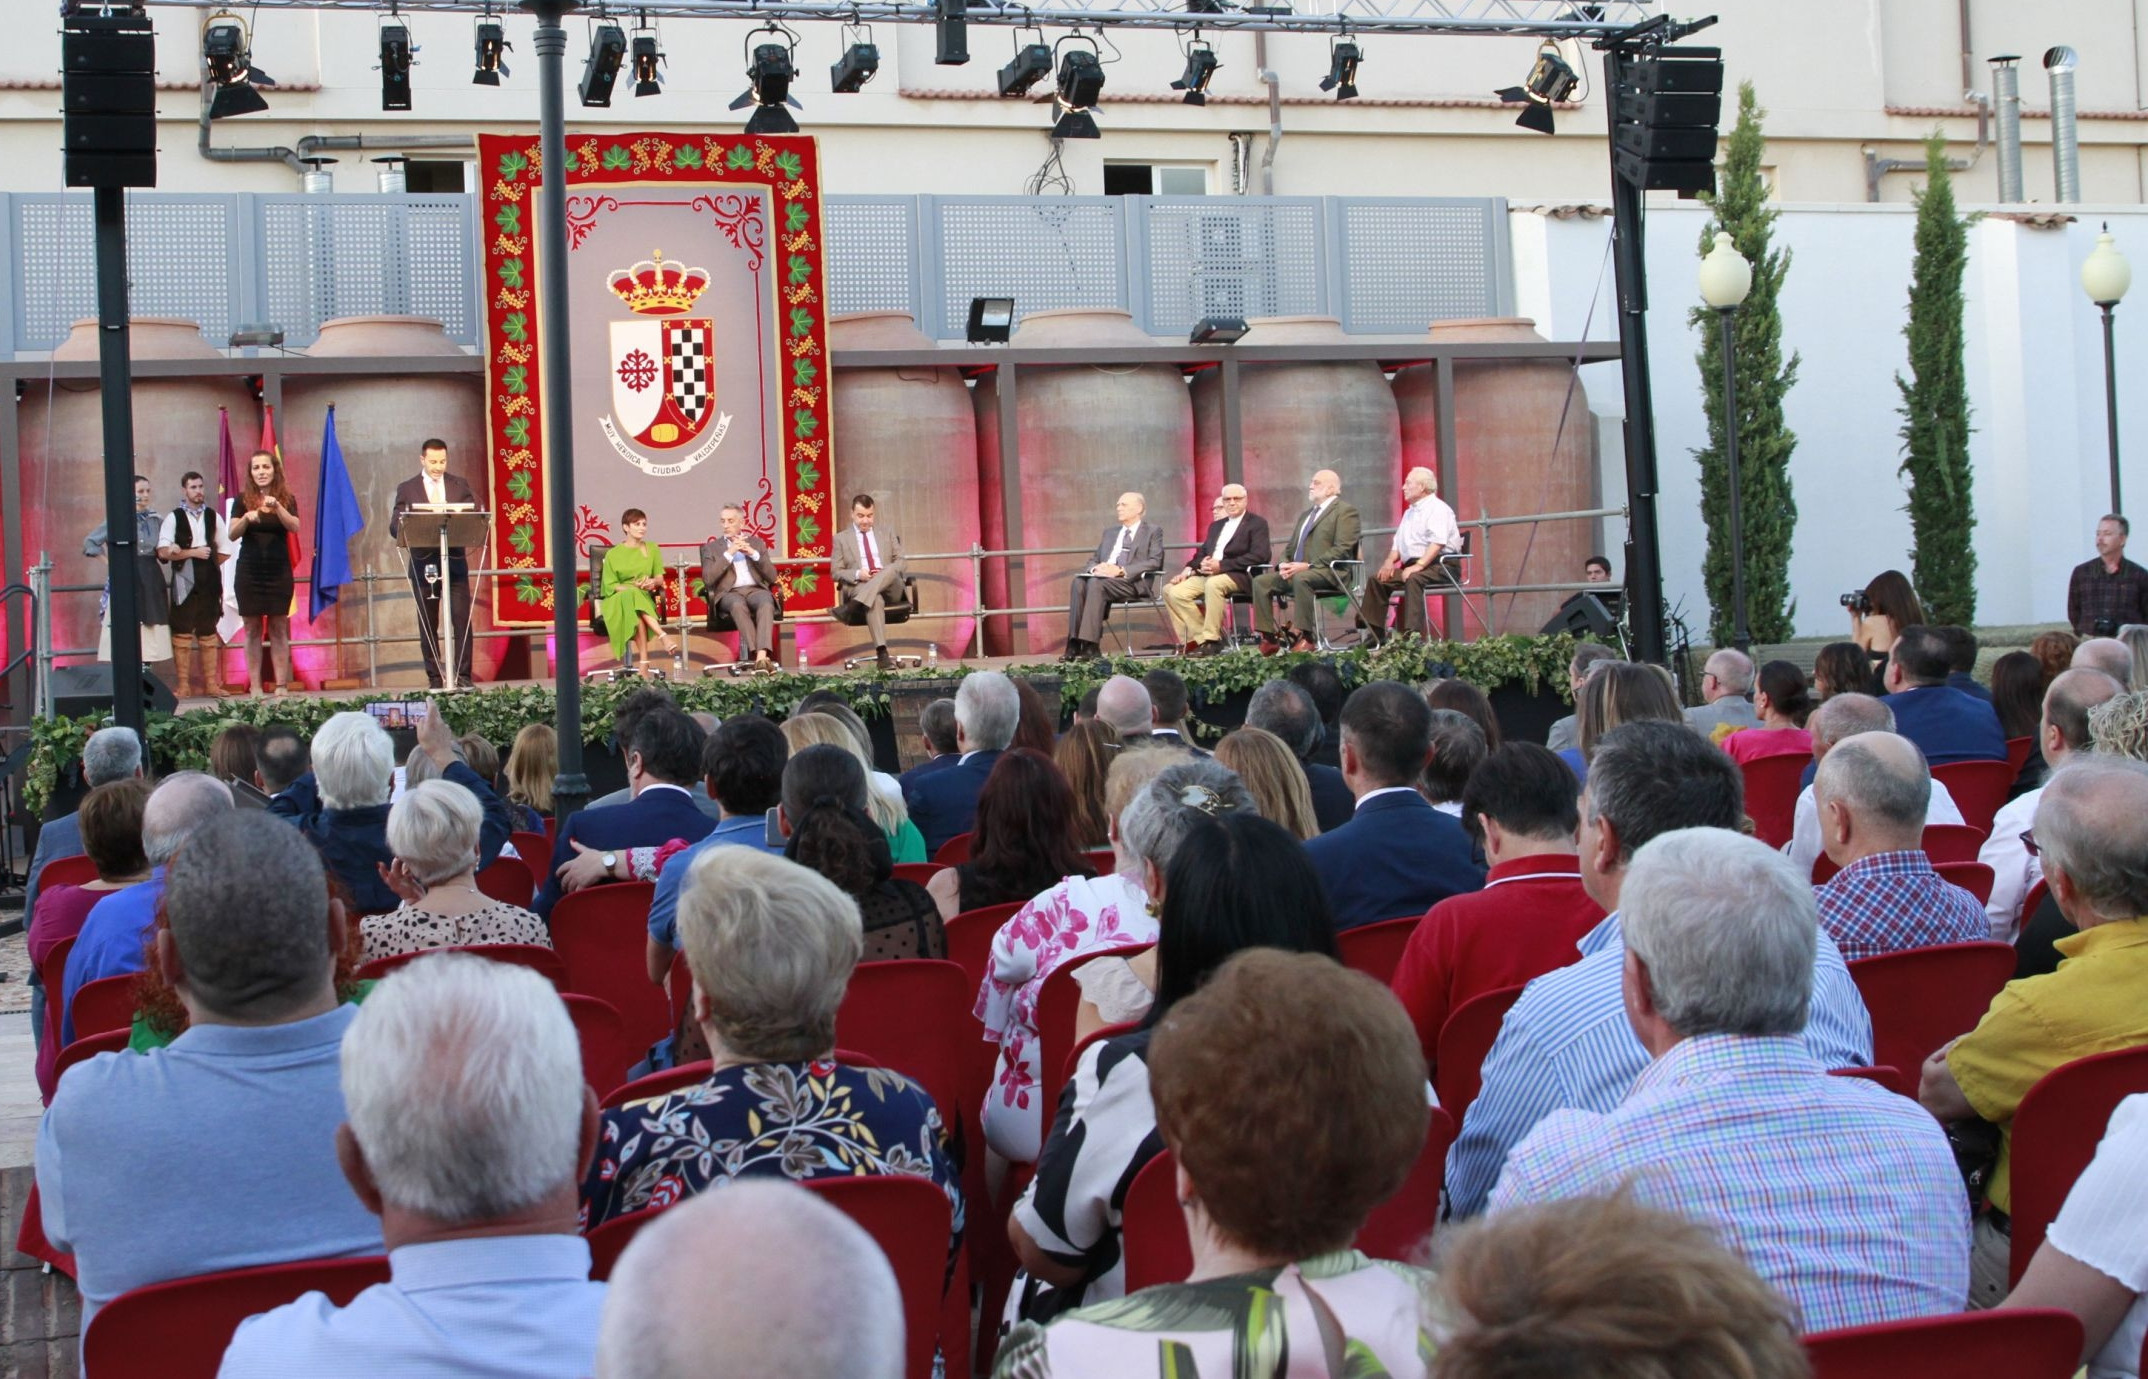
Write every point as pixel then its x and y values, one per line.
pixel 856 67
pixel 1081 81
pixel 491 43
pixel 1201 65
pixel 1550 81
pixel 607 49
pixel 769 87
pixel 395 59
pixel 1343 58
pixel 1032 64
pixel 1218 330
pixel 648 62
pixel 991 320
pixel 951 32
pixel 228 57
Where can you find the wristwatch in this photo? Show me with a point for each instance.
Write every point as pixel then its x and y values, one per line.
pixel 610 861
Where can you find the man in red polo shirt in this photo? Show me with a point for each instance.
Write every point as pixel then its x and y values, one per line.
pixel 1532 910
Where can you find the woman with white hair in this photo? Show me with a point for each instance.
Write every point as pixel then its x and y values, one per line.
pixel 433 832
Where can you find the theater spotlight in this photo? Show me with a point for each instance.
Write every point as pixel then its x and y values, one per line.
pixel 991 320
pixel 648 63
pixel 859 63
pixel 396 55
pixel 1081 81
pixel 1549 82
pixel 607 49
pixel 768 89
pixel 228 65
pixel 1343 58
pixel 1201 65
pixel 1032 64
pixel 491 43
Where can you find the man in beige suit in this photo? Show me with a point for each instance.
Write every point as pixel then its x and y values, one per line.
pixel 868 572
pixel 740 578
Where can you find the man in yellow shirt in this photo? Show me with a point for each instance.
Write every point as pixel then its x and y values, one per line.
pixel 2091 832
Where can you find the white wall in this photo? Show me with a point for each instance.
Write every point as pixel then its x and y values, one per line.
pixel 2035 372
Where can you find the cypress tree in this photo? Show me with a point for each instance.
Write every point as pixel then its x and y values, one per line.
pixel 1767 507
pixel 1935 405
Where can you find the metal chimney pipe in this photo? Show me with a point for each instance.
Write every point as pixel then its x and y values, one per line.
pixel 317 180
pixel 389 176
pixel 2006 98
pixel 2059 63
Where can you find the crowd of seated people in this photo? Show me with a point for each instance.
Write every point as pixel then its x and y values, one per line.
pixel 1661 1130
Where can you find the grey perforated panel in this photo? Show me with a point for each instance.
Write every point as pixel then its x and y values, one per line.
pixel 1406 263
pixel 331 256
pixel 1227 256
pixel 1046 253
pixel 178 255
pixel 872 253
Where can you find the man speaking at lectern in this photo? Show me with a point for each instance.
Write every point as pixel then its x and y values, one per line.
pixel 434 486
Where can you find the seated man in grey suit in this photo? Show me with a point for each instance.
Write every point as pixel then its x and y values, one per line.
pixel 1130 550
pixel 869 571
pixel 1727 692
pixel 738 575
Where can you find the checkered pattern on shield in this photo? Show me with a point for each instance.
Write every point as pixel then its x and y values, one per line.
pixel 688 349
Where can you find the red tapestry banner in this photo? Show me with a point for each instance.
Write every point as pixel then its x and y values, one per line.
pixel 698 309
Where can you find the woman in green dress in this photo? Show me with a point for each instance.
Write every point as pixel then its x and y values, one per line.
pixel 633 577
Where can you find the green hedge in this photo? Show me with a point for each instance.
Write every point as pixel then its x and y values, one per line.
pixel 180 742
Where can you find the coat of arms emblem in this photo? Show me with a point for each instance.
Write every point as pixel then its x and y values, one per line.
pixel 663 370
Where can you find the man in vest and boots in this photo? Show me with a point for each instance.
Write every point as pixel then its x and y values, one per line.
pixel 194 543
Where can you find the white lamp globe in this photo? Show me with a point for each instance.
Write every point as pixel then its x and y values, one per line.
pixel 1725 276
pixel 2105 274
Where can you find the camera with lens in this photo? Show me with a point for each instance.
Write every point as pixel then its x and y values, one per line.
pixel 1858 602
pixel 2105 627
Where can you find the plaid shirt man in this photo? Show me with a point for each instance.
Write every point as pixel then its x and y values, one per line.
pixel 2095 595
pixel 1894 900
pixel 1839 1193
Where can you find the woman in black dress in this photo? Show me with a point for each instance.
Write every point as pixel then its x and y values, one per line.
pixel 264 578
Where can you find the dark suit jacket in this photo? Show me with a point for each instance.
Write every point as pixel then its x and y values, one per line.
pixel 1334 537
pixel 409 494
pixel 929 766
pixel 1144 550
pixel 1397 856
pixel 1967 684
pixel 1333 804
pixel 650 819
pixel 1948 725
pixel 944 803
pixel 1249 546
pixel 718 574
pixel 353 843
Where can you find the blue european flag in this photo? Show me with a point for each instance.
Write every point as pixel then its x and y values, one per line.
pixel 336 519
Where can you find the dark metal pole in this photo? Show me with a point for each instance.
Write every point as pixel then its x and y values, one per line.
pixel 2110 397
pixel 1644 561
pixel 115 388
pixel 570 789
pixel 1740 636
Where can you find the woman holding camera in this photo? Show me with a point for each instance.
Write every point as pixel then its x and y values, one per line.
pixel 1880 610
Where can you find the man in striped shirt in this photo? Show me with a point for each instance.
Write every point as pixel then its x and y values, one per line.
pixel 1840 1194
pixel 1873 791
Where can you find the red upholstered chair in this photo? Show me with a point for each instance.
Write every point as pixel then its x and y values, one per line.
pixel 53 972
pixel 539 959
pixel 88 1047
pixel 1376 949
pixel 1101 860
pixel 1889 1077
pixel 1058 1003
pixel 1973 877
pixel 609 1240
pixel 606 1052
pixel 1464 1042
pixel 105 1004
pixel 2033 901
pixel 66 871
pixel 920 872
pixel 1921 998
pixel 954 852
pixel 508 881
pixel 30 1235
pixel 1945 843
pixel 2029 1343
pixel 1399 1225
pixel 1081 1046
pixel 657 1083
pixel 1771 791
pixel 601 933
pixel 1823 869
pixel 969 939
pixel 535 850
pixel 187 1323
pixel 913 1015
pixel 1978 788
pixel 2018 750
pixel 2055 1132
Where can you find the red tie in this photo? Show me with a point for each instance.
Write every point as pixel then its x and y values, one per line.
pixel 872 566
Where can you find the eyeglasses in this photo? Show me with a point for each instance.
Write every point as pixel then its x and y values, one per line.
pixel 2028 840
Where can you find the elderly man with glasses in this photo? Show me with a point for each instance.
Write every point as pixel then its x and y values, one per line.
pixel 1199 596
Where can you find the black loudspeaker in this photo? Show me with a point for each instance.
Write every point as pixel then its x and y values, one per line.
pixel 1586 616
pixel 86 691
pixel 108 99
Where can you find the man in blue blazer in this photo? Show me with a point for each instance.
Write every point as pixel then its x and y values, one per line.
pixel 663 761
pixel 1286 708
pixel 1946 724
pixel 1398 855
pixel 935 724
pixel 943 804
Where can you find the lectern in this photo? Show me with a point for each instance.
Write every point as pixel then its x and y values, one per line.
pixel 423 531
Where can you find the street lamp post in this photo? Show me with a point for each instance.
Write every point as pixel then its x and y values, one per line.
pixel 1725 279
pixel 2105 276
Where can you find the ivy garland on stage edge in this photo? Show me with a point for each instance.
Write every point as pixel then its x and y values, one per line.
pixel 180 742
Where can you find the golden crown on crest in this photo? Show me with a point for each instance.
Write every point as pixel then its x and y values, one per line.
pixel 656 288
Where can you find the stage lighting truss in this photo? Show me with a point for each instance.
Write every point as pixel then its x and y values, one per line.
pixel 600 72
pixel 647 60
pixel 1081 82
pixel 1032 63
pixel 490 42
pixel 769 69
pixel 1201 65
pixel 397 53
pixel 1552 79
pixel 859 63
pixel 1343 59
pixel 228 65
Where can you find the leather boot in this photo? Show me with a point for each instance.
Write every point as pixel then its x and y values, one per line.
pixel 183 664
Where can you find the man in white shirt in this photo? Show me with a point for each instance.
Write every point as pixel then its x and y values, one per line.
pixel 1842 717
pixel 1428 531
pixel 743 575
pixel 194 541
pixel 1199 596
pixel 868 570
pixel 2061 731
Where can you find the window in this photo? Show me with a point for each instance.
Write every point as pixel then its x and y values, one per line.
pixel 422 176
pixel 1150 179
